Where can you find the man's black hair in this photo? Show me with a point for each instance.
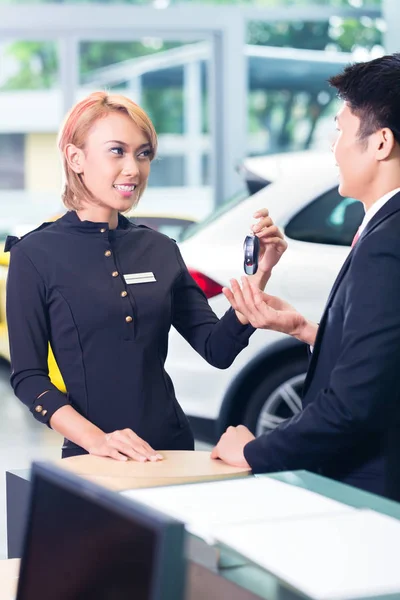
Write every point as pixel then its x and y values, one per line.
pixel 372 91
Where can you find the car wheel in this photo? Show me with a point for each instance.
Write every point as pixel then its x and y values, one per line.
pixel 277 397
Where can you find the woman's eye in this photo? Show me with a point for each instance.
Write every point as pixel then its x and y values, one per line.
pixel 146 153
pixel 117 150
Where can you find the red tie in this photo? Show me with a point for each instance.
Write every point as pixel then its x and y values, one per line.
pixel 355 238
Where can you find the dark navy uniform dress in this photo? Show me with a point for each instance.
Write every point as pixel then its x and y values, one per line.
pixel 67 286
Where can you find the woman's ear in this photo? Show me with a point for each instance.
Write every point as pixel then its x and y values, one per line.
pixel 75 158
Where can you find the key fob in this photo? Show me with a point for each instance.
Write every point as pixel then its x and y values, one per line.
pixel 251 249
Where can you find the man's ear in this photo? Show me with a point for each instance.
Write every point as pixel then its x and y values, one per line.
pixel 75 158
pixel 385 143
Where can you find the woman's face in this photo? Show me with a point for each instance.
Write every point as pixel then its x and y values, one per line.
pixel 115 161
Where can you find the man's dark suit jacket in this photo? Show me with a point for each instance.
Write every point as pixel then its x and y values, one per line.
pixel 349 428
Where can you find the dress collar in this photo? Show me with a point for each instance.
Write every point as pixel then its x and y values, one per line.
pixel 72 222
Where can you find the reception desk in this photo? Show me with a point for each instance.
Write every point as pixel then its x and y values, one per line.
pixel 8 578
pixel 233 578
pixel 178 467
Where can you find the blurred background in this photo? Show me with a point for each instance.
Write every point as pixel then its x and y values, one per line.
pixel 238 94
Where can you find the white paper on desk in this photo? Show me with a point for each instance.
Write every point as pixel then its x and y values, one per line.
pixel 202 506
pixel 327 557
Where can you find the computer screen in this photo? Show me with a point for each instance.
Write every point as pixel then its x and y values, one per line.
pixel 83 542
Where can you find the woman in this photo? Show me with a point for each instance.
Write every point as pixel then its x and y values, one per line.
pixel 105 292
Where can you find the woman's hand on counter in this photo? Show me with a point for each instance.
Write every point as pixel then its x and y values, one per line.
pixel 123 444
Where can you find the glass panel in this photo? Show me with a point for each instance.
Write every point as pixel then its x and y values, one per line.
pixel 30 113
pixel 168 171
pixel 12 152
pixel 28 65
pixel 291 104
pixel 266 3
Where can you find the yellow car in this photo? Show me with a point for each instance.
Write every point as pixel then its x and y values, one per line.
pixel 173 226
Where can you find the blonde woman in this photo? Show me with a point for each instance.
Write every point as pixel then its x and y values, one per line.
pixel 105 292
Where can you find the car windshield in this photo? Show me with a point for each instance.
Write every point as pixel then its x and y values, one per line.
pixel 254 183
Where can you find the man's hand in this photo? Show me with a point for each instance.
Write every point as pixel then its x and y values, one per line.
pixel 269 312
pixel 231 444
pixel 122 445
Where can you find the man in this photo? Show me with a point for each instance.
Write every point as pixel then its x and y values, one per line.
pixel 349 428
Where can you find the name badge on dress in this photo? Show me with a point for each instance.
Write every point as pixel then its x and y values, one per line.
pixel 132 278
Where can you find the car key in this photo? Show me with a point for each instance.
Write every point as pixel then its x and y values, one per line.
pixel 251 249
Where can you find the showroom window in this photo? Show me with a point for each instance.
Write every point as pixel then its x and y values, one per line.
pixel 331 219
pixel 12 164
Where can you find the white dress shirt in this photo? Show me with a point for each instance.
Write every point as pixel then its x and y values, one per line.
pixel 371 212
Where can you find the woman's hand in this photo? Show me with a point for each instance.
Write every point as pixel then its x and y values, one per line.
pixel 272 247
pixel 122 445
pixel 272 242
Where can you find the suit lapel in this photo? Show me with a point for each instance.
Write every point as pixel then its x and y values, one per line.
pixel 392 206
pixel 338 280
pixel 321 326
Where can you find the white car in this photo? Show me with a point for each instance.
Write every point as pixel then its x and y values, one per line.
pixel 263 386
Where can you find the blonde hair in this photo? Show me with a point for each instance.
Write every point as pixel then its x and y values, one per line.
pixel 76 127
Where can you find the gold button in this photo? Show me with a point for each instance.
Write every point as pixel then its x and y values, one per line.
pixel 115 273
pixel 39 408
pixel 128 319
pixel 107 253
pixel 124 294
pixel 44 413
pixel 102 230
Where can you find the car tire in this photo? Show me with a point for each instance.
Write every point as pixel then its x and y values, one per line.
pixel 277 397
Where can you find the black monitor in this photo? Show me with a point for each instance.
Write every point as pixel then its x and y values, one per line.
pixel 83 542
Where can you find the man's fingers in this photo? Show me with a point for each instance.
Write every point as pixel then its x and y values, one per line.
pixel 239 299
pixel 235 286
pixel 230 297
pixel 248 294
pixel 275 302
pixel 214 452
pixel 242 428
pixel 259 295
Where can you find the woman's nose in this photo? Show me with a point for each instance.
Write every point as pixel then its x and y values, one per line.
pixel 131 167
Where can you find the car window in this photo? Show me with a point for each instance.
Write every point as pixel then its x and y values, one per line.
pixel 330 219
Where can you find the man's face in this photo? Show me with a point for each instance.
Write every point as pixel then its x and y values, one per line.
pixel 355 157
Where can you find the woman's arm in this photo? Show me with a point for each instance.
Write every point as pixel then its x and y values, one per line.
pixel 27 318
pixel 219 341
pixel 27 321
